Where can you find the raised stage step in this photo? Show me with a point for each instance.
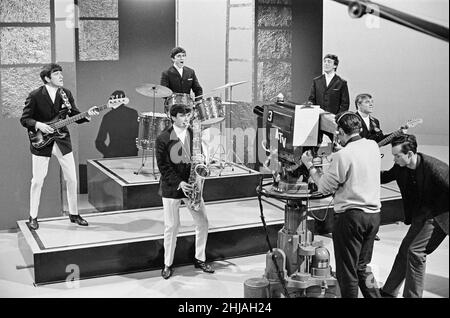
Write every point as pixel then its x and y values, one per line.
pixel 132 240
pixel 114 185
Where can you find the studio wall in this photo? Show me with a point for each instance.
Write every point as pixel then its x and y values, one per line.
pixel 286 50
pixel 406 71
pixel 146 36
pixel 29 38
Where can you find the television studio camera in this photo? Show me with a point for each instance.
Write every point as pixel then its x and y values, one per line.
pixel 299 266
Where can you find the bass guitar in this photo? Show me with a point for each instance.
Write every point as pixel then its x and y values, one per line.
pixel 39 140
pixel 409 124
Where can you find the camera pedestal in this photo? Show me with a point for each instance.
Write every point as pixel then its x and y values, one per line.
pixel 298 266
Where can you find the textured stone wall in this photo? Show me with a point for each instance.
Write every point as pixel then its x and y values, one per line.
pixel 98 8
pixel 25 11
pixel 284 2
pixel 273 77
pixel 273 49
pixel 274 16
pixel 22 44
pixel 274 44
pixel 98 39
pixel 273 69
pixel 25 45
pixel 16 83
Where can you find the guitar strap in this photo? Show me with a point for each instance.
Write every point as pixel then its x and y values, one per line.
pixel 65 100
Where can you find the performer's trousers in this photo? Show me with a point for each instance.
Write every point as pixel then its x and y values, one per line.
pixel 172 224
pixel 40 168
pixel 423 237
pixel 353 238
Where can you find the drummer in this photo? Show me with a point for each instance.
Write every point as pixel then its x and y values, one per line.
pixel 180 78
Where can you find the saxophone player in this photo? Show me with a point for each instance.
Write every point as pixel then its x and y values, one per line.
pixel 173 156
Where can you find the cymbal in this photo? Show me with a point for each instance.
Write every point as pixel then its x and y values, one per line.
pixel 229 85
pixel 153 90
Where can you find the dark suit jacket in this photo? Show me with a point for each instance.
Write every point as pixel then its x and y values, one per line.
pixel 333 98
pixel 122 127
pixel 434 182
pixel 173 162
pixel 373 132
pixel 172 79
pixel 39 107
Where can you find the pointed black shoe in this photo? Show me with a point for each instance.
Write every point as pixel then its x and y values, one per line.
pixel 33 223
pixel 166 272
pixel 205 267
pixel 78 220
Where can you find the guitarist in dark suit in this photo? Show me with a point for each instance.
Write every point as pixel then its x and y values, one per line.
pixel 180 78
pixel 370 125
pixel 42 106
pixel 329 90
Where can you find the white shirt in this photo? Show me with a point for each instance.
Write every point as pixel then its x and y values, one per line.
pixel 180 70
pixel 366 119
pixel 329 77
pixel 52 92
pixel 181 133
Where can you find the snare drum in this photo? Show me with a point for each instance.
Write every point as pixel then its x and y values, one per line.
pixel 211 111
pixel 178 99
pixel 150 126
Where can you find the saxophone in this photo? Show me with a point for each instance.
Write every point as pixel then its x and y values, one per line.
pixel 198 170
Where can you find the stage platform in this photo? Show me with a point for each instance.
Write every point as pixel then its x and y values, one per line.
pixel 132 240
pixel 114 185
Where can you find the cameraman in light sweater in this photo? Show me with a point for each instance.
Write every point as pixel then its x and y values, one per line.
pixel 354 178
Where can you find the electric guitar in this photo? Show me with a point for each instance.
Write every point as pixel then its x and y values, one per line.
pixel 409 124
pixel 39 140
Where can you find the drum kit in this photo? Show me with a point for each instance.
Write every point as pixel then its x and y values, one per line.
pixel 210 111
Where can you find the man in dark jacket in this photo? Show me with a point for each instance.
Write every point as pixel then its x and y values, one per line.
pixel 121 127
pixel 180 78
pixel 42 106
pixel 173 156
pixel 424 185
pixel 370 125
pixel 329 90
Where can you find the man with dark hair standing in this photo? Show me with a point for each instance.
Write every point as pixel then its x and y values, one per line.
pixel 180 78
pixel 424 185
pixel 354 179
pixel 173 156
pixel 329 90
pixel 43 105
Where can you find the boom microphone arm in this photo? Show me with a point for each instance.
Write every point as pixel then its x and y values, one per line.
pixel 357 9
